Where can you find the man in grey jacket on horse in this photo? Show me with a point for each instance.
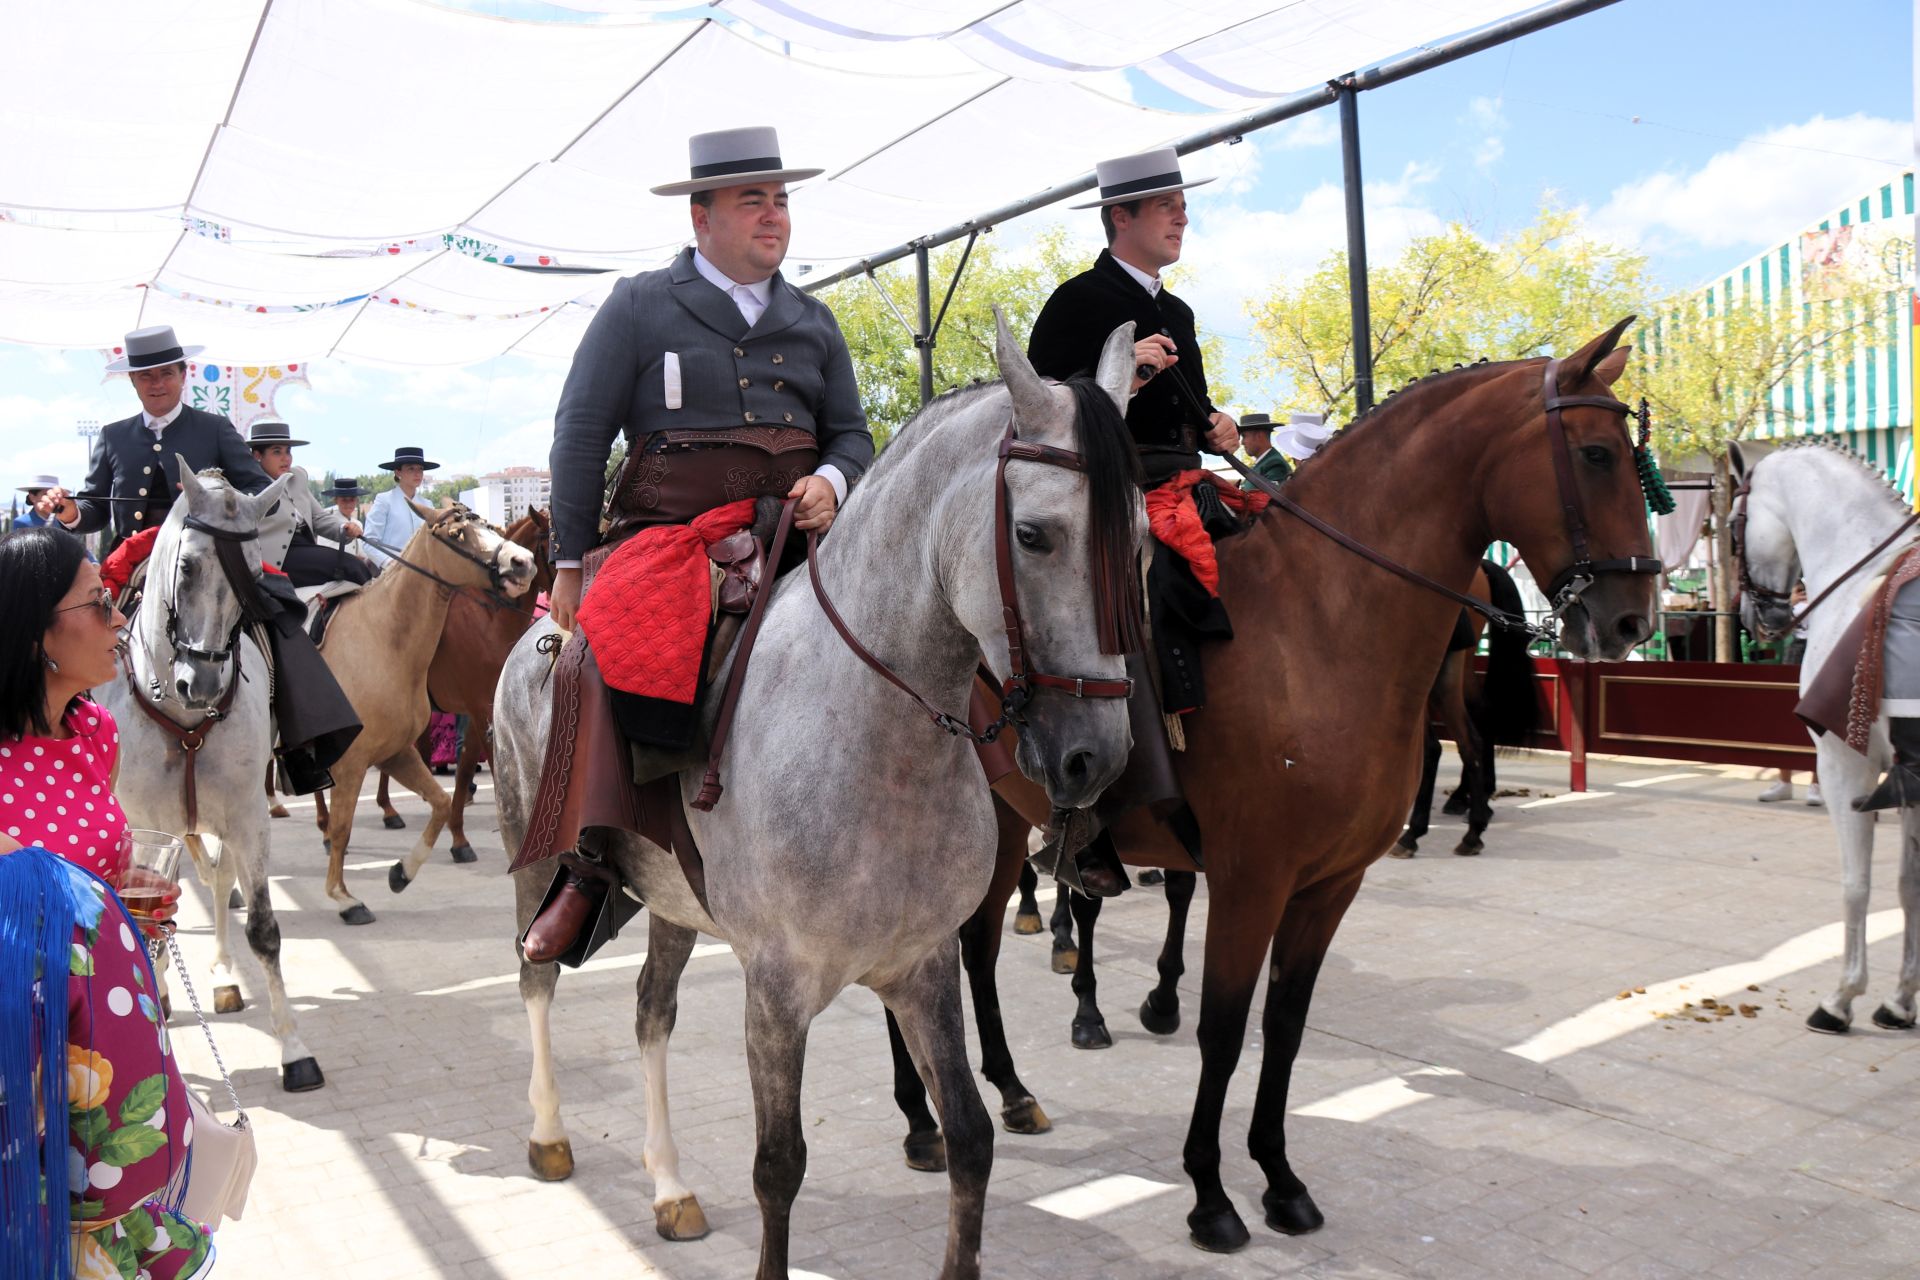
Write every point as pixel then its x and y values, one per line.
pixel 728 383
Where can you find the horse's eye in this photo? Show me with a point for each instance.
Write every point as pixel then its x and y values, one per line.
pixel 1599 455
pixel 1030 537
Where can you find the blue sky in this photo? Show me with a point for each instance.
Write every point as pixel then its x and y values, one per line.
pixel 1751 121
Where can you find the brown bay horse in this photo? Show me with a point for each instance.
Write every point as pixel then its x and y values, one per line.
pixel 481 629
pixel 1301 768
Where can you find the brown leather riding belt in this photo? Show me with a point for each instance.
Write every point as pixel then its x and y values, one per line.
pixel 190 740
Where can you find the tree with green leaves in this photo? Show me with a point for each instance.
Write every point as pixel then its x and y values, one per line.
pixel 1450 298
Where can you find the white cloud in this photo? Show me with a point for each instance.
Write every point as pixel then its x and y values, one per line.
pixel 1766 186
pixel 1316 129
pixel 1488 153
pixel 525 445
pixel 1487 113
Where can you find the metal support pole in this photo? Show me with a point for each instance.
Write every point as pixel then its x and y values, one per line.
pixel 1356 245
pixel 923 336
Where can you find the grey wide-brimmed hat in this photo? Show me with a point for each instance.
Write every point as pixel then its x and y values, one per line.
pixel 38 483
pixel 151 348
pixel 732 158
pixel 403 454
pixel 268 430
pixel 1255 422
pixel 1303 435
pixel 1129 178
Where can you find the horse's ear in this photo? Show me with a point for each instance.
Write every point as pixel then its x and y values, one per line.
pixel 1737 462
pixel 425 512
pixel 1602 358
pixel 1031 400
pixel 189 482
pixel 272 496
pixel 1115 374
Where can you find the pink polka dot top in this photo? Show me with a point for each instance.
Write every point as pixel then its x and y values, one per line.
pixel 58 792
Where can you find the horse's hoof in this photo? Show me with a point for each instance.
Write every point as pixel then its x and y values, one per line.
pixel 1825 1023
pixel 1028 922
pixel 1888 1020
pixel 234 902
pixel 302 1075
pixel 227 999
pixel 278 811
pixel 394 822
pixel 1152 875
pixel 1161 1024
pixel 1217 1232
pixel 1401 849
pixel 464 853
pixel 1066 960
pixel 397 877
pixel 681 1219
pixel 926 1152
pixel 1468 848
pixel 1025 1116
pixel 357 914
pixel 1091 1033
pixel 551 1161
pixel 1292 1215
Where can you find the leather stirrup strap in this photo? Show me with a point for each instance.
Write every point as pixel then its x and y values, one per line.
pixel 710 788
pixel 550 797
pixel 189 740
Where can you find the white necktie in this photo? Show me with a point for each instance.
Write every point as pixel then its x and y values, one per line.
pixel 750 306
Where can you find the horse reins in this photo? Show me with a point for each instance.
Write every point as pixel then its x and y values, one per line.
pixel 1738 528
pixel 495 588
pixel 1017 690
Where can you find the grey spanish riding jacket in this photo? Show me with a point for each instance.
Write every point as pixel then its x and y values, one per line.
pixel 669 351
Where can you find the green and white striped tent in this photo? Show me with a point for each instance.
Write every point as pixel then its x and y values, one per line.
pixel 1869 404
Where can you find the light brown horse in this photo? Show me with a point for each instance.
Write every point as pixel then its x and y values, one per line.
pixel 379 647
pixel 480 631
pixel 1301 767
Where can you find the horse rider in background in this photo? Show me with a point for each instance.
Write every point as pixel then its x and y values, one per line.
pixel 288 536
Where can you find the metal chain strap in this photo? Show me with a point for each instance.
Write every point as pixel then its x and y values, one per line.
pixel 193 998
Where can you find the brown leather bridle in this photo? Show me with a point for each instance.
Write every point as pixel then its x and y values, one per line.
pixel 1018 689
pixel 1749 589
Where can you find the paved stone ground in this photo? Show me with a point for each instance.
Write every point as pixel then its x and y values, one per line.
pixel 1471 1099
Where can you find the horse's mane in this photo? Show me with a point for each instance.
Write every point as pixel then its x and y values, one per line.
pixel 1828 444
pixel 916 428
pixel 1417 392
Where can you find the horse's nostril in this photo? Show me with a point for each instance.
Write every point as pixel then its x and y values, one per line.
pixel 1634 627
pixel 1077 766
pixel 181 687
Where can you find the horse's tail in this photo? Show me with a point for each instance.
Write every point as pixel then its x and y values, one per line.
pixel 1509 709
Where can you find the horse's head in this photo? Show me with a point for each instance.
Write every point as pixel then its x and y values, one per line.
pixel 1073 537
pixel 192 614
pixel 1765 555
pixel 467 551
pixel 534 531
pixel 1579 519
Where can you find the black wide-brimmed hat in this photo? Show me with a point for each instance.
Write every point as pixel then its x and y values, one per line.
pixel 1255 422
pixel 1125 179
pixel 731 158
pixel 409 453
pixel 268 430
pixel 150 348
pixel 345 489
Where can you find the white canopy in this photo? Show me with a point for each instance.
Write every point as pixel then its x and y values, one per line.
pixel 298 179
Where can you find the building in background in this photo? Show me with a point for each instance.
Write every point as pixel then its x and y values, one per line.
pixel 505 496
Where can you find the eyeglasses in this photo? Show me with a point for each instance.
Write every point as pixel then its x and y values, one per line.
pixel 103 603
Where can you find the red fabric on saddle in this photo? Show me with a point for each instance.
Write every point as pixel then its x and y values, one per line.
pixel 648 612
pixel 1175 521
pixel 132 552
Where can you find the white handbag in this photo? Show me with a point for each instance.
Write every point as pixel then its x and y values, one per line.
pixel 221 1158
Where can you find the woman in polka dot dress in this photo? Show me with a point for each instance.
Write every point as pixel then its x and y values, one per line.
pixel 128 1126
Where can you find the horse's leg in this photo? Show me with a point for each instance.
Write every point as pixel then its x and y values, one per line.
pixel 411 772
pixel 1473 753
pixel 549 1153
pixel 275 808
pixel 927 1004
pixel 676 1211
pixel 247 860
pixel 470 752
pixel 1089 1028
pixel 1027 918
pixel 1160 1012
pixel 778 1016
pixel 339 828
pixel 389 816
pixel 1020 1112
pixel 1060 923
pixel 926 1148
pixel 1421 819
pixel 1844 779
pixel 219 876
pixel 1898 1013
pixel 1238 928
pixel 320 815
pixel 1299 946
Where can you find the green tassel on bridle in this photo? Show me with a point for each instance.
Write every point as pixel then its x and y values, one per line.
pixel 1653 485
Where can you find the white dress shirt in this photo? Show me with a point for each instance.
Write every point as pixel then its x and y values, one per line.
pixel 393 521
pixel 1150 283
pixel 160 424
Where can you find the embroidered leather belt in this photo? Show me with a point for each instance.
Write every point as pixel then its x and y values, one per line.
pixel 674 476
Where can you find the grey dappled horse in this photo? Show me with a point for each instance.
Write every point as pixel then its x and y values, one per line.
pixel 183 675
pixel 1812 512
pixel 854 837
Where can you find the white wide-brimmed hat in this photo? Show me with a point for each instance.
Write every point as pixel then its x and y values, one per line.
pixel 1129 178
pixel 1303 435
pixel 732 158
pixel 39 482
pixel 151 348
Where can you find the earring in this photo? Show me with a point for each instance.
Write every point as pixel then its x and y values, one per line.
pixel 53 666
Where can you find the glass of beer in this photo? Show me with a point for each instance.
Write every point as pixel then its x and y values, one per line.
pixel 149 871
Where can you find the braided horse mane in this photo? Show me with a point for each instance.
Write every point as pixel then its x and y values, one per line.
pixel 1831 445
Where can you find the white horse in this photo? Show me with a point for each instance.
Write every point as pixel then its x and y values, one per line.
pixel 186 652
pixel 854 837
pixel 1812 513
